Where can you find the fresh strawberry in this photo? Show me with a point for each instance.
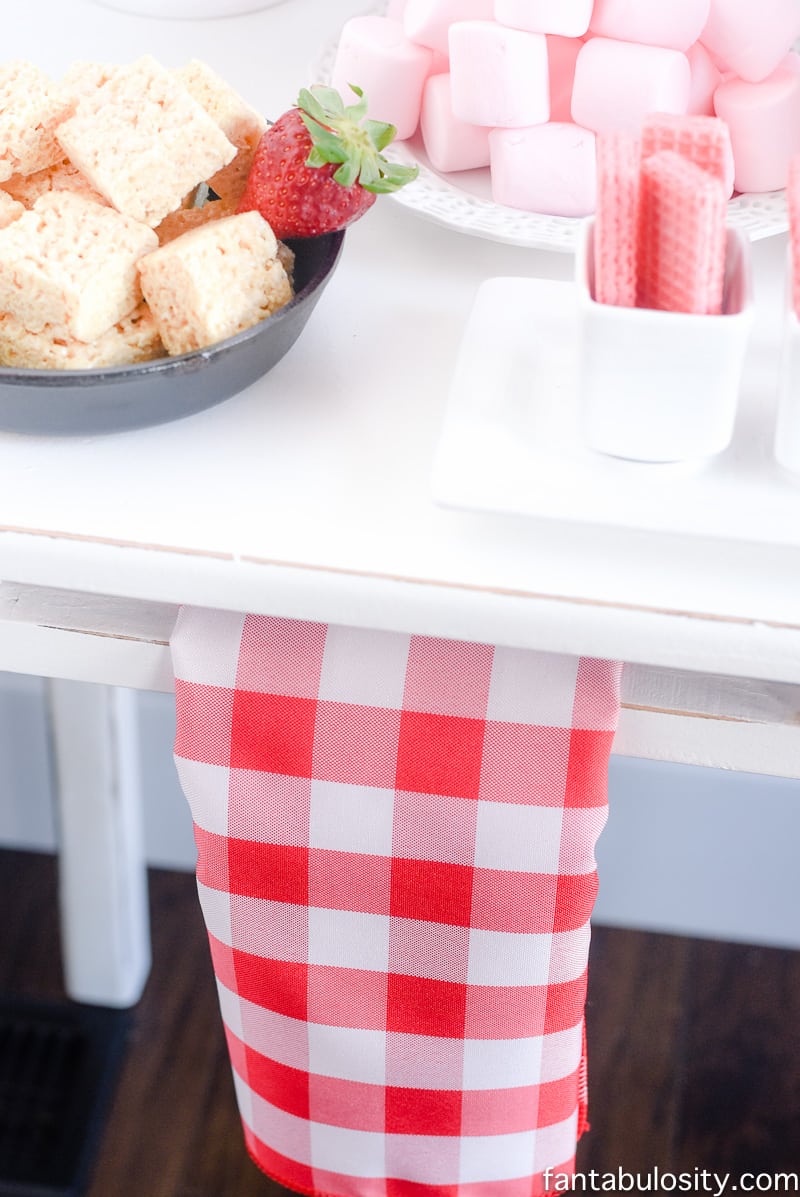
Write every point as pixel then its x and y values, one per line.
pixel 320 166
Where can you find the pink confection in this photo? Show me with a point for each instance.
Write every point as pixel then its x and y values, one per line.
pixel 793 206
pixel 616 219
pixel 546 168
pixel 562 54
pixel 704 140
pixel 570 18
pixel 751 38
pixel 428 21
pixel 764 123
pixel 682 237
pixel 450 143
pixel 375 54
pixel 618 83
pixel 498 76
pixel 706 78
pixel 671 23
pixel 792 62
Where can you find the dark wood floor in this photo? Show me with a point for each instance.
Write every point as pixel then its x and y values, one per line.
pixel 694 1049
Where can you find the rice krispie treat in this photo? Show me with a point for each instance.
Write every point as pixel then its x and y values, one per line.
pixel 63 176
pixel 183 220
pixel 31 108
pixel 134 339
pixel 214 281
pixel 143 141
pixel 240 123
pixel 10 209
pixel 229 183
pixel 82 78
pixel 71 263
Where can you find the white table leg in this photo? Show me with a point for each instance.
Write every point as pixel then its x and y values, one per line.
pixel 105 929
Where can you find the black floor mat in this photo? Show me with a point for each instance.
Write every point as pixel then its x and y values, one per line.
pixel 58 1066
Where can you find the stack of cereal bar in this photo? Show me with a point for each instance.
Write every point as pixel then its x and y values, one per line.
pixel 105 255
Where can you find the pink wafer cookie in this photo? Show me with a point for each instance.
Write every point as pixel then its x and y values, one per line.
pixel 704 140
pixel 793 205
pixel 616 219
pixel 682 236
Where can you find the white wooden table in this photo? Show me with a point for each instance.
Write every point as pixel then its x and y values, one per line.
pixel 310 496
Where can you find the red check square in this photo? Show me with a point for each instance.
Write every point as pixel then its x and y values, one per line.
pixel 440 754
pixel 426 890
pixel 273 872
pixel 283 1087
pixel 587 771
pixel 423 1111
pixel 273 733
pixel 421 1006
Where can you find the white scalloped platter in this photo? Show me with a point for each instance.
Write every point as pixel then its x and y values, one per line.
pixel 463 201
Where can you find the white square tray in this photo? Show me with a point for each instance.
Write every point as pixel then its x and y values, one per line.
pixel 511 441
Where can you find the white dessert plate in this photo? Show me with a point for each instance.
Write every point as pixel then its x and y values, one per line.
pixel 462 201
pixel 511 437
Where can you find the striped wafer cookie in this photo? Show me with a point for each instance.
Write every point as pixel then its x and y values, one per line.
pixel 793 203
pixel 704 140
pixel 616 219
pixel 682 236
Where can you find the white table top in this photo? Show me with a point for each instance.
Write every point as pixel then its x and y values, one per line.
pixel 311 493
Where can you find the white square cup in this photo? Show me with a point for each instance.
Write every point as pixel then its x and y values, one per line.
pixel 787 424
pixel 662 386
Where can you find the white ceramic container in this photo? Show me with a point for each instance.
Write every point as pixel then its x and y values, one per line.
pixel 662 386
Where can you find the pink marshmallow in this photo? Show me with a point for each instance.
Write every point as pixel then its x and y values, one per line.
pixel 751 38
pixel 562 54
pixel 792 62
pixel 764 123
pixel 671 23
pixel 450 143
pixel 375 54
pixel 545 168
pixel 570 18
pixel 706 78
pixel 617 83
pixel 498 76
pixel 428 21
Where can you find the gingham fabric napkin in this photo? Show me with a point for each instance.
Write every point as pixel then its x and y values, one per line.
pixel 396 869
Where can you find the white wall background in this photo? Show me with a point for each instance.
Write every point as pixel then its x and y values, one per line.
pixel 687 850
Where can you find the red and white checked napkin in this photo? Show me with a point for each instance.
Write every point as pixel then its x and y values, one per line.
pixel 396 868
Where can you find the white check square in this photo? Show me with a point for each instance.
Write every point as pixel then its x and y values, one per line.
pixel 519 838
pixel 351 818
pixel 348 939
pixel 349 1152
pixel 509 958
pixel 532 687
pixel 351 1054
pixel 364 667
pixel 494 1158
pixel 502 1063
